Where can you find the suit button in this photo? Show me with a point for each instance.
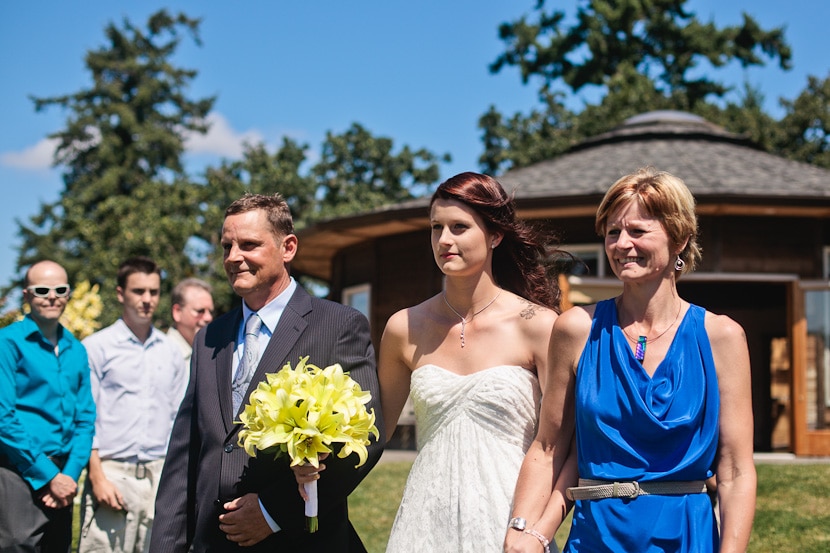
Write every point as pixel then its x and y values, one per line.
pixel 228 448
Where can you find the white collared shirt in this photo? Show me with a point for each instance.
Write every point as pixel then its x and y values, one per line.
pixel 137 387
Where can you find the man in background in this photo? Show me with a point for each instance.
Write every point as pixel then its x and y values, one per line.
pixel 192 309
pixel 138 379
pixel 47 418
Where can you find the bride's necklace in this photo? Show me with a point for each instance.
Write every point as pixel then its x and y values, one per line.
pixel 462 317
pixel 642 341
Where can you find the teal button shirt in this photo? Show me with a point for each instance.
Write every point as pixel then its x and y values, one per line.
pixel 46 407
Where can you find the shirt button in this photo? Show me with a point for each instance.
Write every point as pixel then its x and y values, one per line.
pixel 228 448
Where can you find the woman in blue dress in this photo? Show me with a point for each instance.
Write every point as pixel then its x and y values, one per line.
pixel 656 392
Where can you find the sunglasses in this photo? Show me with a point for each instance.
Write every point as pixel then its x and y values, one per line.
pixel 61 290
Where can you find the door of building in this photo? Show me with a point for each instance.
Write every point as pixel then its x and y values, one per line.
pixel 811 363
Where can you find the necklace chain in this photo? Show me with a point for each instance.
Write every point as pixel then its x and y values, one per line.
pixel 642 340
pixel 462 317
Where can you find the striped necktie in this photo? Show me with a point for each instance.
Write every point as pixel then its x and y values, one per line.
pixel 249 360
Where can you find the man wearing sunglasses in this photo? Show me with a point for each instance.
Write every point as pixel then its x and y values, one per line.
pixel 47 418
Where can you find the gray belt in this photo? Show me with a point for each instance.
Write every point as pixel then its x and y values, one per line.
pixel 603 489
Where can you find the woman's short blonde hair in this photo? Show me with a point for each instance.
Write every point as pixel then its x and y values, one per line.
pixel 664 197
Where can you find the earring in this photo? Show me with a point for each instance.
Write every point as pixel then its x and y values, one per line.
pixel 679 264
pixel 492 246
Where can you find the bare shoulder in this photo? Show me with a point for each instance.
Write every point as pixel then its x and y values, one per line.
pixel 401 322
pixel 398 323
pixel 534 316
pixel 570 334
pixel 723 331
pixel 530 311
pixel 575 322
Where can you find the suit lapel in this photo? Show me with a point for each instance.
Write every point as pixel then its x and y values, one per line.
pixel 224 371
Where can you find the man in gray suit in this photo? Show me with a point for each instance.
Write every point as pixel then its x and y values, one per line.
pixel 212 496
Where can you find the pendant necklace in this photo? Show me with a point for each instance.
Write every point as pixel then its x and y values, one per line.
pixel 462 317
pixel 642 341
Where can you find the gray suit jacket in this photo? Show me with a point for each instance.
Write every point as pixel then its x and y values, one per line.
pixel 205 466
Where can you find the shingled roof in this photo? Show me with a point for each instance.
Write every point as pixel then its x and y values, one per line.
pixel 724 171
pixel 712 162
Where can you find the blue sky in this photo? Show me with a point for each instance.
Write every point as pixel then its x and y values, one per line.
pixel 413 71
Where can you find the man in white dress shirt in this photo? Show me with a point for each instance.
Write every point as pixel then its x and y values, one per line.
pixel 138 378
pixel 192 309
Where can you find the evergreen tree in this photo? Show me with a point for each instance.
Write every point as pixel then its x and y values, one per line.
pixel 642 55
pixel 660 39
pixel 358 171
pixel 125 190
pixel 805 129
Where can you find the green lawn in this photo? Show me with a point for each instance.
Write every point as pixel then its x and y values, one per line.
pixel 792 514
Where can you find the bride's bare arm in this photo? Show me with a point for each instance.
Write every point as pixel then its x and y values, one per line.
pixel 394 374
pixel 549 467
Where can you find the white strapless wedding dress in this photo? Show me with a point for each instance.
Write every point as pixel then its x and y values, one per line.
pixel 473 432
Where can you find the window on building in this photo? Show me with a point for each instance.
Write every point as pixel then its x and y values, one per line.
pixel 590 260
pixel 359 297
pixel 817 308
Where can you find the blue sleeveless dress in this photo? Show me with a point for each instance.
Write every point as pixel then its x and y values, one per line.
pixel 630 426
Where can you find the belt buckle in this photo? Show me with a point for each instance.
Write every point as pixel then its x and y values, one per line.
pixel 140 471
pixel 635 493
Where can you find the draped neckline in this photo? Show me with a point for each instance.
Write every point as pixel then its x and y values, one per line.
pixel 619 334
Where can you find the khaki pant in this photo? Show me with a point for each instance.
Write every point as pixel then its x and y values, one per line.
pixel 105 530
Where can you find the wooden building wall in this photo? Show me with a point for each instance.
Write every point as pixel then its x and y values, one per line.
pixel 402 272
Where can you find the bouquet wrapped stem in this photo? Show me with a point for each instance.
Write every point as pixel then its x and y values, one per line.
pixel 303 412
pixel 311 507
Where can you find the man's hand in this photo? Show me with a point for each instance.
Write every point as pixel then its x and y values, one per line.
pixel 244 523
pixel 306 473
pixel 59 492
pixel 106 493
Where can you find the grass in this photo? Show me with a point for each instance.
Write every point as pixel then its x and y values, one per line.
pixel 792 512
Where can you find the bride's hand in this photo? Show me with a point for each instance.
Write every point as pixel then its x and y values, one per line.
pixel 308 473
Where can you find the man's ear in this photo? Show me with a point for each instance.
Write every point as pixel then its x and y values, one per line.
pixel 176 312
pixel 289 247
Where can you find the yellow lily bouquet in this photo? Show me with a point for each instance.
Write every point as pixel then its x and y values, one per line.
pixel 304 411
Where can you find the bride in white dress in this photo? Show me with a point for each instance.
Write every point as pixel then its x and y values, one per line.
pixel 474 357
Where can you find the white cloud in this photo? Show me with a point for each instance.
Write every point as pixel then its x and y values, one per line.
pixel 37 157
pixel 221 139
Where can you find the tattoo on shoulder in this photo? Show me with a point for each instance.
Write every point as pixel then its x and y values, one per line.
pixel 529 309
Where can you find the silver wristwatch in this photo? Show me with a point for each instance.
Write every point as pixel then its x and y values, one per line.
pixel 517 523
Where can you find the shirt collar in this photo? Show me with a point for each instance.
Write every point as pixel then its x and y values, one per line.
pixel 126 335
pixel 270 313
pixel 30 327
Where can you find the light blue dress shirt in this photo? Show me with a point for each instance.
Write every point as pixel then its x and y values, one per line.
pixel 137 388
pixel 270 315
